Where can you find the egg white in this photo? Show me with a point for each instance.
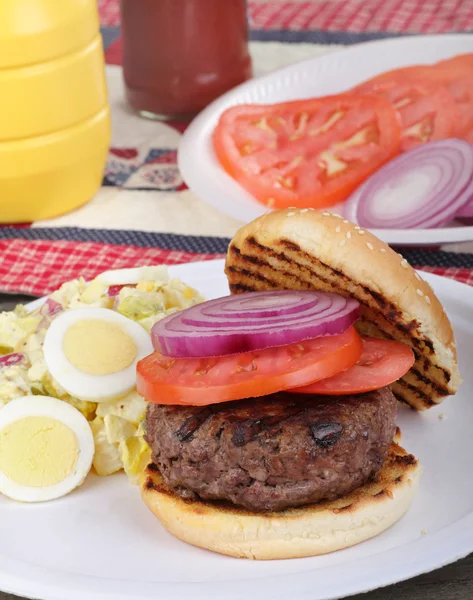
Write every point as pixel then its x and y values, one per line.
pixel 93 388
pixel 133 276
pixel 45 406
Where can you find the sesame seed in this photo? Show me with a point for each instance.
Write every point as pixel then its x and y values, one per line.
pixel 311 209
pixel 369 246
pixel 292 207
pixel 342 243
pixel 420 292
pixel 337 229
pixel 326 214
pixel 338 216
pixel 270 202
pixel 441 417
pixel 418 277
pixel 454 345
pixel 427 299
pixel 348 235
pixel 362 232
pixel 345 221
pixel 357 227
pixel 424 532
pixel 404 264
pixel 400 255
pixel 291 214
pixel 304 210
pixel 383 250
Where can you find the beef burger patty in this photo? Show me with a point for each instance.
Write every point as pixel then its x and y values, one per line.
pixel 274 452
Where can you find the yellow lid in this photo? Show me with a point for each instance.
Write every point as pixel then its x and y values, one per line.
pixel 34 31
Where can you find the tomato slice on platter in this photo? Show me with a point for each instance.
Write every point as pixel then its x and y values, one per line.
pixel 202 381
pixel 457 75
pixel 426 108
pixel 382 363
pixel 307 153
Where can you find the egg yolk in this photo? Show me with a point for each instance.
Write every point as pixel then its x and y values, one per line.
pixel 99 347
pixel 38 451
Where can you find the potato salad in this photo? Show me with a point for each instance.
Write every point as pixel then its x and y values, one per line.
pixel 81 346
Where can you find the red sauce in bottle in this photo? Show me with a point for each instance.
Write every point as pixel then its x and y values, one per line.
pixel 179 55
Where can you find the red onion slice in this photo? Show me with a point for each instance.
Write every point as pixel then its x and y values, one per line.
pixel 51 308
pixel 253 321
pixel 8 360
pixel 114 290
pixel 423 188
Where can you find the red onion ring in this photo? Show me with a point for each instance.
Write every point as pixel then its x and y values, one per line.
pixel 423 188
pixel 253 321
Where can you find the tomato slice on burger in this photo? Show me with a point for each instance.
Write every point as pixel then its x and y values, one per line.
pixel 202 381
pixel 426 108
pixel 307 153
pixel 382 363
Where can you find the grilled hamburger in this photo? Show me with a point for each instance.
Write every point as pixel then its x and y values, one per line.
pixel 291 474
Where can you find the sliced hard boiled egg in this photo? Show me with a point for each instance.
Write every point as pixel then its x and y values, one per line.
pixel 46 449
pixel 92 353
pixel 132 276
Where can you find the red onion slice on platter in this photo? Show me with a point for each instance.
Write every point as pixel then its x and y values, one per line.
pixel 423 188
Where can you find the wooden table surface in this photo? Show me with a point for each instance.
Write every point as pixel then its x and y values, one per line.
pixel 454 582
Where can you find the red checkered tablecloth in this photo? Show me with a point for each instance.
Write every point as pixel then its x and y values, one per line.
pixel 144 214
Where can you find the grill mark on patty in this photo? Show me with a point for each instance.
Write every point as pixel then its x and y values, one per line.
pixel 192 424
pixel 248 430
pixel 404 328
pixel 326 434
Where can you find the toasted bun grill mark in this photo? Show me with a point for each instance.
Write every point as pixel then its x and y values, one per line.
pixel 305 531
pixel 305 252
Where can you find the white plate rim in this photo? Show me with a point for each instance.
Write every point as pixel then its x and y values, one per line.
pixel 426 554
pixel 189 150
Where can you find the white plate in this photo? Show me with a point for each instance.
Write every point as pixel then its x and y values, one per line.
pixel 318 76
pixel 101 543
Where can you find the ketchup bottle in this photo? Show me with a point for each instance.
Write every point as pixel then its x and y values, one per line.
pixel 179 55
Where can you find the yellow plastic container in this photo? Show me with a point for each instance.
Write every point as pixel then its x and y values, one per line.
pixel 54 117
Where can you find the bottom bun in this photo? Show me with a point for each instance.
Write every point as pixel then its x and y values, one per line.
pixel 293 533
